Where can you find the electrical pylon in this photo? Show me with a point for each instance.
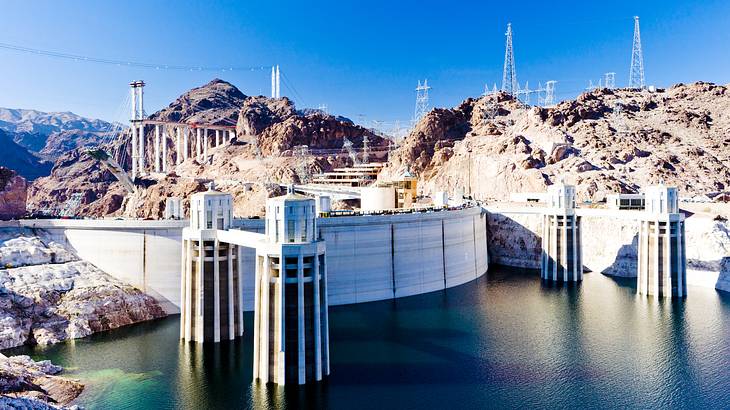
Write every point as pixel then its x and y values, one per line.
pixel 509 74
pixel 636 75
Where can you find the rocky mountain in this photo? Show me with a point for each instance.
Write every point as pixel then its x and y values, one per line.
pixel 266 132
pixel 51 134
pixel 18 158
pixel 604 141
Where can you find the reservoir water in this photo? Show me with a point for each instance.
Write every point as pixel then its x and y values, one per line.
pixel 506 340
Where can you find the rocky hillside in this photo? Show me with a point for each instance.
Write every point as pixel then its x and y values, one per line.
pixel 21 160
pixel 604 141
pixel 261 156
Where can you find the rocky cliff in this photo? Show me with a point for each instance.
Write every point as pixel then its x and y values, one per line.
pixel 13 194
pixel 48 295
pixel 604 141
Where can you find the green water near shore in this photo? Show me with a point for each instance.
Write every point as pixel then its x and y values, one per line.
pixel 506 340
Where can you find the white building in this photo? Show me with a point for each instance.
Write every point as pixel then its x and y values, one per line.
pixel 291 336
pixel 561 239
pixel 625 201
pixel 662 261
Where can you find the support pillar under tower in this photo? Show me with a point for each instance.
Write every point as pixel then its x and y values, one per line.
pixel 561 238
pixel 662 260
pixel 291 336
pixel 212 287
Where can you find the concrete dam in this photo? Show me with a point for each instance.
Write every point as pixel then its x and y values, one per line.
pixel 370 257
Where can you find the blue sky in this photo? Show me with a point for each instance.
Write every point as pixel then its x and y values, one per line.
pixel 361 59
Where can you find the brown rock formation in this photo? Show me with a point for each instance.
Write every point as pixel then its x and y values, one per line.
pixel 27 384
pixel 499 146
pixel 13 194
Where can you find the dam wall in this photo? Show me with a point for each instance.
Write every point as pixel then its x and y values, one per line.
pixel 610 243
pixel 368 257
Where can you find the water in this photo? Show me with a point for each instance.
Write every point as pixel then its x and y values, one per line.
pixel 505 340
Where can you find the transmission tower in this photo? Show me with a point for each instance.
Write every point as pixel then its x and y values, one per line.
pixel 421 100
pixel 509 75
pixel 636 76
pixel 525 93
pixel 610 80
pixel 365 150
pixel 550 93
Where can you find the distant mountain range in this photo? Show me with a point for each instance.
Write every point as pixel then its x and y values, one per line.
pixel 34 138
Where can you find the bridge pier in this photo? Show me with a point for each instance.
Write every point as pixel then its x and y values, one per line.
pixel 561 239
pixel 157 148
pixel 164 149
pixel 231 135
pixel 134 150
pixel 197 144
pixel 185 143
pixel 178 146
pixel 205 144
pixel 217 141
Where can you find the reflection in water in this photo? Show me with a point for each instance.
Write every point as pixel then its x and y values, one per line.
pixel 504 340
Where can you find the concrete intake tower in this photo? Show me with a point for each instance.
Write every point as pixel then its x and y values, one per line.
pixel 291 336
pixel 561 238
pixel 662 257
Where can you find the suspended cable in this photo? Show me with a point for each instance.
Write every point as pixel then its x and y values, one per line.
pixel 124 63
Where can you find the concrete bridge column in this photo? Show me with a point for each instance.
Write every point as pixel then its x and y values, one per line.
pixel 134 151
pixel 178 150
pixel 197 144
pixel 186 143
pixel 231 135
pixel 205 144
pixel 217 141
pixel 141 152
pixel 157 148
pixel 164 149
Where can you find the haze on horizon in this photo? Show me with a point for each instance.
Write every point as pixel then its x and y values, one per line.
pixel 361 60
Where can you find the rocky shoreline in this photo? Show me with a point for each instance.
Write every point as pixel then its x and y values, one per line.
pixel 27 384
pixel 48 295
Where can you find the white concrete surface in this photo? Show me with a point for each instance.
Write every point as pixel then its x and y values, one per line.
pixel 369 257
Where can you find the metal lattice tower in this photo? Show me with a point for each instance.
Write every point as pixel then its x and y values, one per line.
pixel 550 93
pixel 509 75
pixel 636 76
pixel 421 100
pixel 610 80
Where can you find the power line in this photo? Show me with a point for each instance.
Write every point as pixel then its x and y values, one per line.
pixel 124 63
